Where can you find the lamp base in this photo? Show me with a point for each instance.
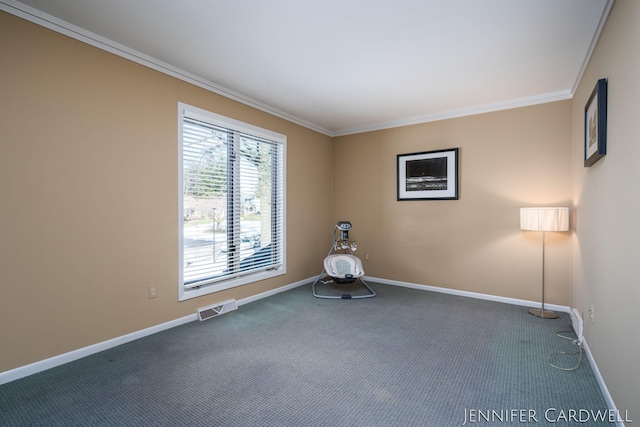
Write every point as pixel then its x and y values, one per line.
pixel 545 314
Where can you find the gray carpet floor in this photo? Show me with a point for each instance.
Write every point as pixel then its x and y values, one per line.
pixel 404 358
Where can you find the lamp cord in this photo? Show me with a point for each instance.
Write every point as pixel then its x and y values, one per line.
pixel 575 341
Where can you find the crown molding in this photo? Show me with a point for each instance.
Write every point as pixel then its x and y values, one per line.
pixel 462 112
pixel 52 23
pixel 594 42
pixel 45 20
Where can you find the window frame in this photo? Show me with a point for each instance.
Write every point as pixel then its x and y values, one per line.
pixel 217 284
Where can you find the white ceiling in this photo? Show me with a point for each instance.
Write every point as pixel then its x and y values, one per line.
pixel 342 66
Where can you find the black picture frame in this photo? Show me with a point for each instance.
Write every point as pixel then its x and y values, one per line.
pixel 595 124
pixel 428 175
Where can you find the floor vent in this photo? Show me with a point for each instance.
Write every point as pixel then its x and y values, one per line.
pixel 205 313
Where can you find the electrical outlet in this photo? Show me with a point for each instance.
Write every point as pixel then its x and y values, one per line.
pixel 366 257
pixel 592 313
pixel 152 292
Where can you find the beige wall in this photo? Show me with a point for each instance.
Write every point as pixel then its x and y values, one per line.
pixel 89 194
pixel 508 160
pixel 606 268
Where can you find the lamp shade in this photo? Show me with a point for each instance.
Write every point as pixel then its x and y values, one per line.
pixel 544 219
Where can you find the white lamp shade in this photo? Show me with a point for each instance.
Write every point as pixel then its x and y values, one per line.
pixel 544 219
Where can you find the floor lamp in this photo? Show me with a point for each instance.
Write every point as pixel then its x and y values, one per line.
pixel 544 219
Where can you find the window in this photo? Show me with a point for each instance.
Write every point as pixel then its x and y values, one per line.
pixel 232 200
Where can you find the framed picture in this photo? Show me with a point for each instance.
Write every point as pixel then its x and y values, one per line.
pixel 430 175
pixel 595 124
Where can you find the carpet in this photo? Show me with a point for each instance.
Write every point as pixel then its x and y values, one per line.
pixel 404 358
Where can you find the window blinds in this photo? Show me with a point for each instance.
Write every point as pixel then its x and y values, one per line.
pixel 233 203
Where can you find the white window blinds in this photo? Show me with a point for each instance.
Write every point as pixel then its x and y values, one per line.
pixel 232 202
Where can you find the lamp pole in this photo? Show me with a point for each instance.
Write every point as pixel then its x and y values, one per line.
pixel 541 312
pixel 544 219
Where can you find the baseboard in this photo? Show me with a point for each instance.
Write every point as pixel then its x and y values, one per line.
pixel 52 362
pixel 477 295
pixel 603 386
pixel 275 291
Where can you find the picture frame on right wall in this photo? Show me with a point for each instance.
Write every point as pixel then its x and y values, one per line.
pixel 595 124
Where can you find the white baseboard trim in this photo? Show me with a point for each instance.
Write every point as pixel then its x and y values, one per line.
pixel 52 362
pixel 603 386
pixel 476 295
pixel 275 291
